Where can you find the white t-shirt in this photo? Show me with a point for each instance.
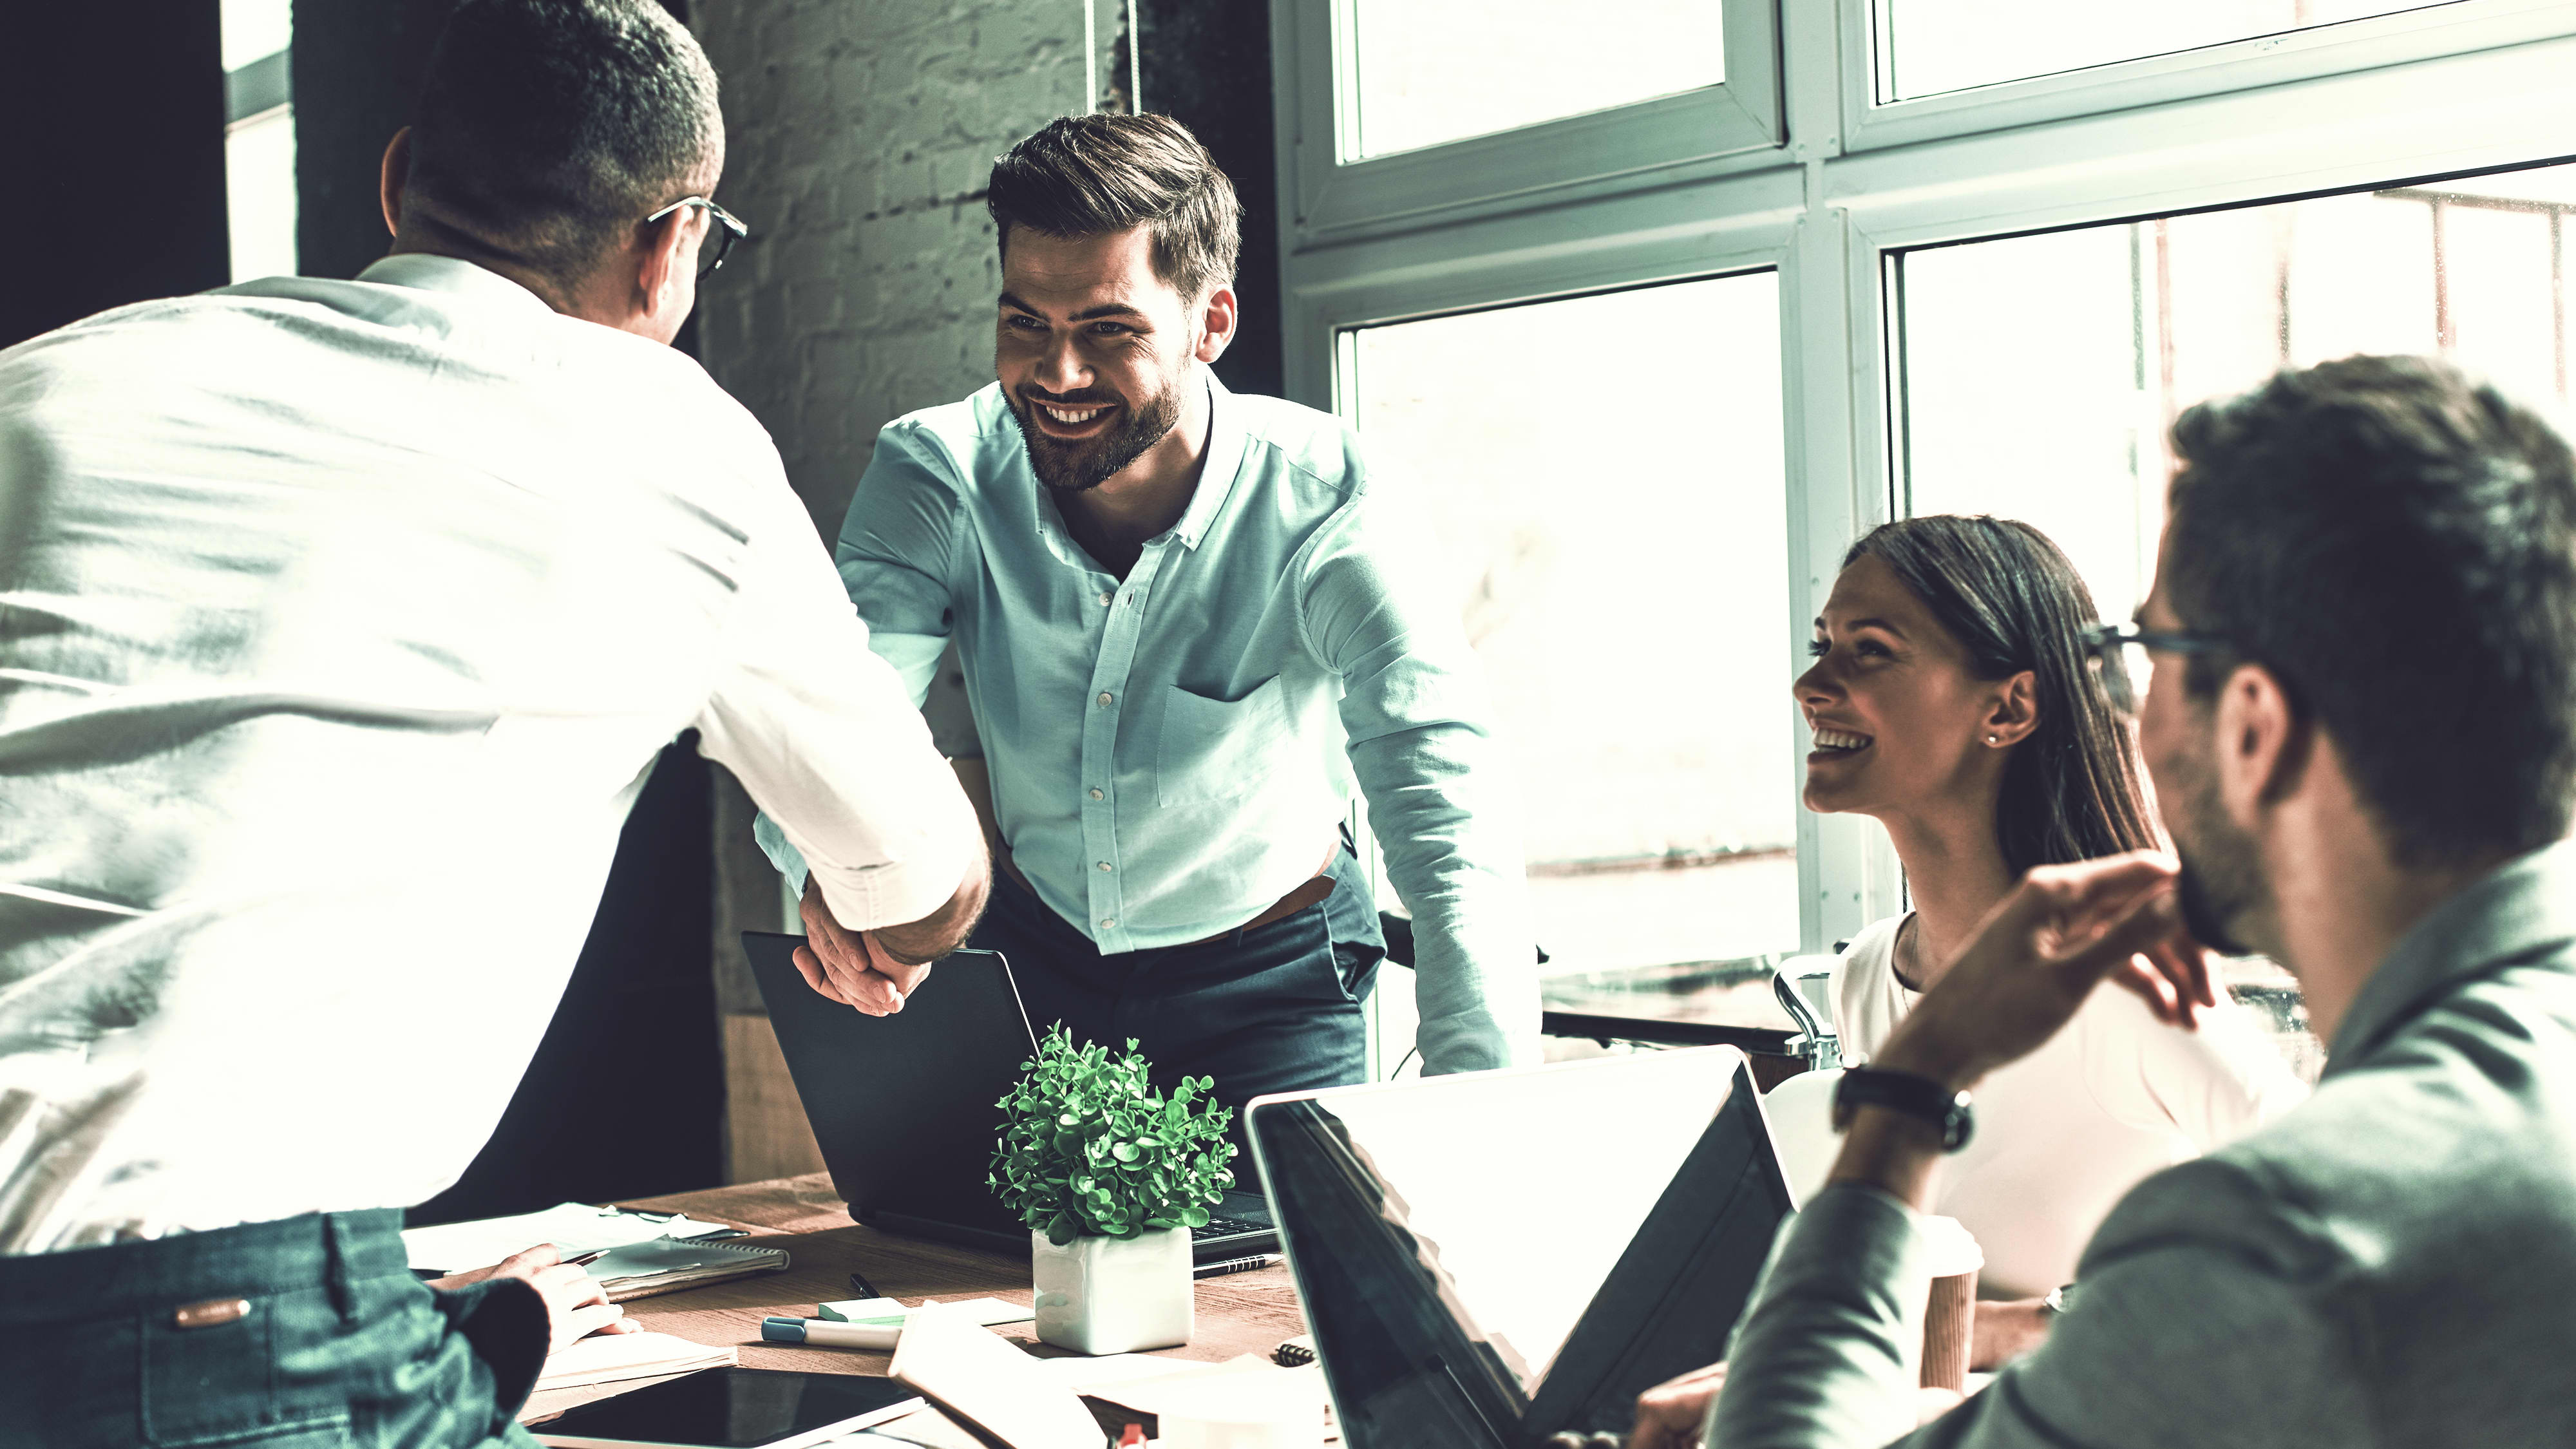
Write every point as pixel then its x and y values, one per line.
pixel 340 623
pixel 2064 1132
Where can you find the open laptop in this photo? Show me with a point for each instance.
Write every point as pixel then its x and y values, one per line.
pixel 1491 1258
pixel 905 1106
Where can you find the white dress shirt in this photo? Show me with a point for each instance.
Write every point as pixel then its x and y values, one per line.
pixel 340 623
pixel 2062 1133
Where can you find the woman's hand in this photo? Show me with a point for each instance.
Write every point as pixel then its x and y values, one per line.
pixel 576 1305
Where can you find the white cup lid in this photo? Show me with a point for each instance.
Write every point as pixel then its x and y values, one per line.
pixel 1951 1248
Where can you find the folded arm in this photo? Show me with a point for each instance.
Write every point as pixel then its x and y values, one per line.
pixel 2195 1324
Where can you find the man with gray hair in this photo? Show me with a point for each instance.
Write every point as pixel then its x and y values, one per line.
pixel 340 623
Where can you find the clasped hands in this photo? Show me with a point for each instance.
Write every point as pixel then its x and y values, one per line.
pixel 851 967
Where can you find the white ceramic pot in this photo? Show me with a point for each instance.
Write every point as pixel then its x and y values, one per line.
pixel 1114 1295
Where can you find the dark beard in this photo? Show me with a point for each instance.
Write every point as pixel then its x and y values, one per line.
pixel 2221 882
pixel 2207 921
pixel 1079 467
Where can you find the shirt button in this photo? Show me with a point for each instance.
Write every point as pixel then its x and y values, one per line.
pixel 1104 865
pixel 1105 697
pixel 1108 923
pixel 1096 795
pixel 1107 599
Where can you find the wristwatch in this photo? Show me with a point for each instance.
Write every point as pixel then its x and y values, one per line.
pixel 1919 1097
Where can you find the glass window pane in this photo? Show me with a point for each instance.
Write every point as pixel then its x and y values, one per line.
pixel 2039 373
pixel 1429 71
pixel 255 28
pixel 259 194
pixel 1926 47
pixel 1616 534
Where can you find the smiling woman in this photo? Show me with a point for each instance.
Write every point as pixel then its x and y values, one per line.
pixel 1952 700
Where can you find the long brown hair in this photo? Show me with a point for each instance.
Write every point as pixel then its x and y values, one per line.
pixel 2011 598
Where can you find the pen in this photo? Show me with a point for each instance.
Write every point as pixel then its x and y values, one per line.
pixel 584 1260
pixel 822 1331
pixel 865 1288
pixel 1237 1265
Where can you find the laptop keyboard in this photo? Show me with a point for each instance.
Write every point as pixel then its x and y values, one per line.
pixel 1227 1228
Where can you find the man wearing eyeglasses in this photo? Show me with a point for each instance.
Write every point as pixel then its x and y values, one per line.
pixel 2357 696
pixel 340 623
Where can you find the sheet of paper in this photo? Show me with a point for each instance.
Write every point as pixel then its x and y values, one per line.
pixel 573 1227
pixel 1248 1389
pixel 887 1312
pixel 608 1357
pixel 991 1381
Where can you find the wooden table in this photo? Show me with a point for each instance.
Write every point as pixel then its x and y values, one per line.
pixel 1237 1314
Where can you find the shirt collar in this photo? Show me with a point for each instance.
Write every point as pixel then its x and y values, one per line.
pixel 1217 470
pixel 423 271
pixel 2525 908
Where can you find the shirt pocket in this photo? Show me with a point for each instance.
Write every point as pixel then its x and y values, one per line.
pixel 1216 749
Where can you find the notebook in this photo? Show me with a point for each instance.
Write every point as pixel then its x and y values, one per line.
pixel 648 1253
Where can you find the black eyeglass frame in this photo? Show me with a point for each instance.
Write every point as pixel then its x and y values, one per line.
pixel 2103 642
pixel 730 228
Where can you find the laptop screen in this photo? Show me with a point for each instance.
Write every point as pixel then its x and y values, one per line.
pixel 1491 1257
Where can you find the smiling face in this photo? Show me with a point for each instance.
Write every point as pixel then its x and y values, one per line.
pixel 1900 719
pixel 1095 352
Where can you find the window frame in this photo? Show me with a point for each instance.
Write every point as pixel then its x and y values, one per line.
pixel 2391 100
pixel 1326 195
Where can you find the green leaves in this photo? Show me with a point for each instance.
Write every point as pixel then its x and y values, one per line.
pixel 1089 1148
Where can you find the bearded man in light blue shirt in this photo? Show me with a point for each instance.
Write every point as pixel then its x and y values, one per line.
pixel 1188 627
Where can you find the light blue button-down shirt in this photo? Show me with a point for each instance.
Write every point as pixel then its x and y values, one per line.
pixel 1171 752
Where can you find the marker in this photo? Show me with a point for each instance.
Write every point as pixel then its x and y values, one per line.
pixel 827 1334
pixel 1237 1265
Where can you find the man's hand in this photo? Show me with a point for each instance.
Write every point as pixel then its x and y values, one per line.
pixel 1671 1414
pixel 2039 954
pixel 851 967
pixel 2005 1331
pixel 576 1304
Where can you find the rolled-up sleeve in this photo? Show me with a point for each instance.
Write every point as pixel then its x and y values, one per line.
pixel 1440 795
pixel 827 738
pixel 2200 1321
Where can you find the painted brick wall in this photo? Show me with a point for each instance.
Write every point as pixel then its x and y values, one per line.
pixel 859 135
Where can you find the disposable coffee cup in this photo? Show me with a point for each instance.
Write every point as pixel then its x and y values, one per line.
pixel 1950 1313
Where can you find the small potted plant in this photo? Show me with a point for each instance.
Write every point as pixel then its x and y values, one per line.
pixel 1110 1175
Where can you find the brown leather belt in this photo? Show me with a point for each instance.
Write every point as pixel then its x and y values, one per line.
pixel 1305 893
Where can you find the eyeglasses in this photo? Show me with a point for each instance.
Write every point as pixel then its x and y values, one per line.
pixel 2119 656
pixel 723 230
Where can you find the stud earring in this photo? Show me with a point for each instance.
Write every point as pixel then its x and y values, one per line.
pixel 1994 739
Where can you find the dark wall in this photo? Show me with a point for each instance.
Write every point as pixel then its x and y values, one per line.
pixel 356 64
pixel 116 146
pixel 1208 67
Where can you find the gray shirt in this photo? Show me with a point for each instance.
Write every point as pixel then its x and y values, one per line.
pixel 2392 1263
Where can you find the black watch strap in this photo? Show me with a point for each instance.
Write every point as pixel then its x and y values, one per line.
pixel 1918 1097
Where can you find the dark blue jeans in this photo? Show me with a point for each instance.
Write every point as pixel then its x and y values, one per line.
pixel 341 1348
pixel 1275 1008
